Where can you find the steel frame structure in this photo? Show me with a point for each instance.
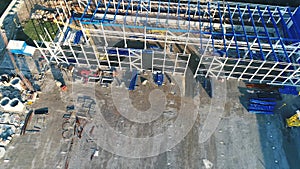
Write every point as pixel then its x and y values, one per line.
pixel 257 43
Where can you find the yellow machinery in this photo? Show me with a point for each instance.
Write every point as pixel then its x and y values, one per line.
pixel 294 121
pixel 157 31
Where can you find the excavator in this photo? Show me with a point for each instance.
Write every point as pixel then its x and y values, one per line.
pixel 294 121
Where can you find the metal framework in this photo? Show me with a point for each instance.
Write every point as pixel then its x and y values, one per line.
pixel 257 43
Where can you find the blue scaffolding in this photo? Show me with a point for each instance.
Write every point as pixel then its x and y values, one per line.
pixel 257 43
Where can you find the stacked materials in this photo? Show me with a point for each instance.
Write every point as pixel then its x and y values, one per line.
pixel 262 105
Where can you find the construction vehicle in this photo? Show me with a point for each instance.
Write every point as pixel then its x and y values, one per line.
pixel 294 121
pixel 18 72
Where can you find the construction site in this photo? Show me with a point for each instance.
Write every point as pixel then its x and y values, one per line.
pixel 186 84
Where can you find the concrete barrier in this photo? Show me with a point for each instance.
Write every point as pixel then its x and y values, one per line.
pixel 16 83
pixel 16 105
pixel 5 103
pixel 12 105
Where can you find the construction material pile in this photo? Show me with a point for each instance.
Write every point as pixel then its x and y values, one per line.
pixel 13 112
pixel 262 98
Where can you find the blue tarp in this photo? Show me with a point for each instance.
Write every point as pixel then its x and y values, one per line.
pixel 78 36
pixel 295 27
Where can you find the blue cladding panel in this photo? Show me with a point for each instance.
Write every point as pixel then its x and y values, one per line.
pixel 232 28
pixel 196 13
pixel 267 33
pixel 278 34
pixel 283 24
pixel 78 36
pixel 295 27
pixel 244 30
pixel 297 17
pixel 66 34
pixel 255 31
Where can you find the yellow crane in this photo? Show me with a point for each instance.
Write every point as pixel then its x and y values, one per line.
pixel 294 121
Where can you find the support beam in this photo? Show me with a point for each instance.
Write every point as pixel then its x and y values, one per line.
pixel 85 10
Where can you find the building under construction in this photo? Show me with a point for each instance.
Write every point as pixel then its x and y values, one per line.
pixel 173 84
pixel 256 43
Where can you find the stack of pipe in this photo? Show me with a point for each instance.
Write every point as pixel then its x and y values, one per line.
pixel 262 105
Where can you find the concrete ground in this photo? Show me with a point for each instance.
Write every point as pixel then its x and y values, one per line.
pixel 224 134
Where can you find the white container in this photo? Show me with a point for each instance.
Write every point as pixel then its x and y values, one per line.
pixel 16 105
pixel 5 103
pixel 2 152
pixel 16 83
